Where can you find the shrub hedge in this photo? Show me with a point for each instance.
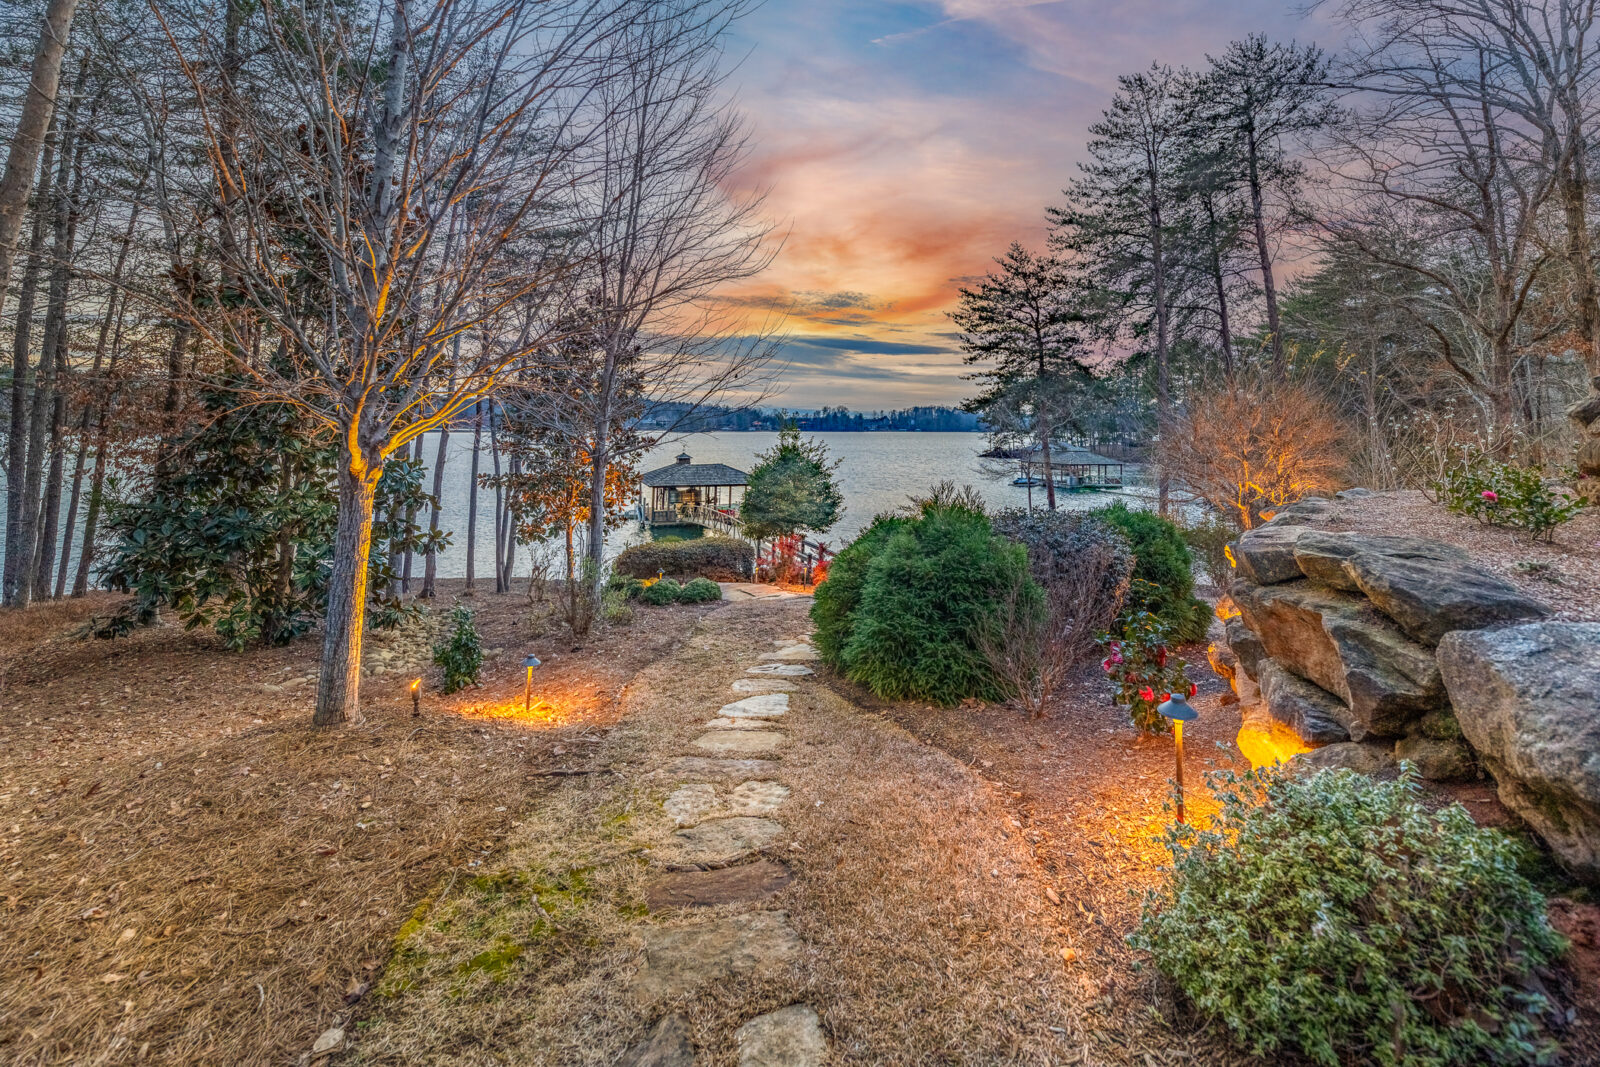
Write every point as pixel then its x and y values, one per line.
pixel 1054 538
pixel 724 559
pixel 1335 916
pixel 662 593
pixel 700 591
pixel 1163 572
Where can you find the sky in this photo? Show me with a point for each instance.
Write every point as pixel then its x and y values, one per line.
pixel 902 146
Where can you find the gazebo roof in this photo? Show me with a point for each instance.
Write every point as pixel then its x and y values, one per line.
pixel 686 473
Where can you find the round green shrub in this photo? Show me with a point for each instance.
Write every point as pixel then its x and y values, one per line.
pixel 1337 917
pixel 834 607
pixel 659 594
pixel 930 595
pixel 1163 572
pixel 700 591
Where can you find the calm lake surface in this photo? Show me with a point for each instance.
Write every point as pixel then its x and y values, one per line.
pixel 877 471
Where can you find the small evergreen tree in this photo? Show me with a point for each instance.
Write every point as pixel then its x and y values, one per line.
pixel 1163 576
pixel 792 489
pixel 461 658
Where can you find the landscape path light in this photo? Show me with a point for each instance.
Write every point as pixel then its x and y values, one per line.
pixel 1176 707
pixel 416 698
pixel 529 661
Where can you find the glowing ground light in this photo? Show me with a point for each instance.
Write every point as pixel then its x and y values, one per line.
pixel 416 697
pixel 529 661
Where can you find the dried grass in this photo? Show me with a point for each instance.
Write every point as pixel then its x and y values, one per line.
pixel 192 874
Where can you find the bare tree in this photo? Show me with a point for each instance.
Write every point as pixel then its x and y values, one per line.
pixel 666 234
pixel 1249 448
pixel 421 185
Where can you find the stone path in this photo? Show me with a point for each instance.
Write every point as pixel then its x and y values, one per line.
pixel 728 808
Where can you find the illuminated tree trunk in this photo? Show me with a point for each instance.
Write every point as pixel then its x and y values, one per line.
pixel 472 497
pixel 339 688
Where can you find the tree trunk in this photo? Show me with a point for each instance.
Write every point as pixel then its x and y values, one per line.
pixel 22 382
pixel 499 505
pixel 430 565
pixel 1049 468
pixel 472 498
pixel 71 522
pixel 1159 285
pixel 599 461
pixel 339 687
pixel 43 412
pixel 1224 327
pixel 38 104
pixel 1269 290
pixel 411 521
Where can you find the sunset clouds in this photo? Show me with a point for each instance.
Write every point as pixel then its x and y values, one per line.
pixel 903 146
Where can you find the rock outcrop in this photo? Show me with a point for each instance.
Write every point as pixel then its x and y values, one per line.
pixel 1316 715
pixel 1340 643
pixel 1585 417
pixel 1528 700
pixel 1340 630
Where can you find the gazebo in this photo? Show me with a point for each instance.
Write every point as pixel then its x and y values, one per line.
pixel 701 494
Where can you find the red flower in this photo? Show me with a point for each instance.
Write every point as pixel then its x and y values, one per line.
pixel 1147 693
pixel 1161 656
pixel 1193 689
pixel 1165 697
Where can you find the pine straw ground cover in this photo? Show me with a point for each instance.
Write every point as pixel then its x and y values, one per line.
pixel 929 932
pixel 192 874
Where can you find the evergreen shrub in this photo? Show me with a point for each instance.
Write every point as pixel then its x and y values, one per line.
pixel 1336 917
pixel 660 594
pixel 461 658
pixel 722 559
pixel 700 591
pixel 1163 574
pixel 930 595
pixel 839 595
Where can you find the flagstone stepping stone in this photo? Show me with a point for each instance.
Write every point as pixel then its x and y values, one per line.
pixel 762 685
pixel 666 1046
pixel 743 884
pixel 792 654
pixel 786 670
pixel 757 798
pixel 788 1037
pixel 720 842
pixel 706 767
pixel 741 742
pixel 740 724
pixel 688 804
pixel 681 959
pixel 763 706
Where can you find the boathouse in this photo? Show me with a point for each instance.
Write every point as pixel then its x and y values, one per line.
pixel 686 493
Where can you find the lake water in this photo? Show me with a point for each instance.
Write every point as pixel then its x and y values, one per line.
pixel 877 471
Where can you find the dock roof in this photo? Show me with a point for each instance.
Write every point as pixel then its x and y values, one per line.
pixel 685 473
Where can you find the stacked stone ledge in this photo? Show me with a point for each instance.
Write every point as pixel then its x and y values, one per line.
pixel 1336 634
pixel 1375 648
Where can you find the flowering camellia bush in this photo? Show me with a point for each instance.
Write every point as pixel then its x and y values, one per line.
pixel 1504 494
pixel 1142 670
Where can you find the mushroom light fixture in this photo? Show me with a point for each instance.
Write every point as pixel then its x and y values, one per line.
pixel 1177 709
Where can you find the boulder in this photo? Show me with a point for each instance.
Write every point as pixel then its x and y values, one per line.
pixel 1265 555
pixel 1246 646
pixel 1340 643
pixel 1322 555
pixel 1430 596
pixel 667 1045
pixel 1316 715
pixel 1437 761
pixel 1363 757
pixel 1224 663
pixel 1526 698
pixel 1311 510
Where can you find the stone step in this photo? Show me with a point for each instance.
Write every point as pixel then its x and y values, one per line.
pixel 722 842
pixel 682 959
pixel 788 1037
